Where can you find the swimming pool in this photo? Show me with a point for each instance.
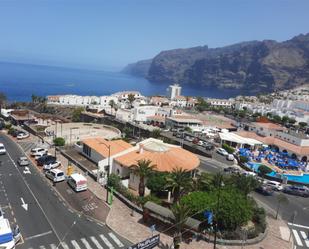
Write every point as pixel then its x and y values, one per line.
pixel 301 179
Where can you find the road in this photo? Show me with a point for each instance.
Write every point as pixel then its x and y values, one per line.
pixel 299 223
pixel 45 220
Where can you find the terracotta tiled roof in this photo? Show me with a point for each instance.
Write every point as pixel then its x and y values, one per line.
pixel 116 146
pixel 271 126
pixel 156 118
pixel 166 158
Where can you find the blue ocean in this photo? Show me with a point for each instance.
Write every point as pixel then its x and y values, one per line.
pixel 20 81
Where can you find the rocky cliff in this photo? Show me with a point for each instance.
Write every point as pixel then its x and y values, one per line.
pixel 255 66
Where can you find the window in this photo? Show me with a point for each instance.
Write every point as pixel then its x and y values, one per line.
pixel 87 150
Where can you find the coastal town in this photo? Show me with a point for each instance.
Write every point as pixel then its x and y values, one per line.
pixel 102 144
pixel 154 124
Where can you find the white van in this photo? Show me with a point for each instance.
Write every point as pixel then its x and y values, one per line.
pixel 275 185
pixel 78 182
pixel 2 149
pixel 56 175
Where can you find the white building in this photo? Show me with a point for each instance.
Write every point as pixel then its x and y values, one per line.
pixel 175 90
pixel 220 102
pixel 141 113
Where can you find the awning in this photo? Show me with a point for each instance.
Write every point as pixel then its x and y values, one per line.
pixel 234 138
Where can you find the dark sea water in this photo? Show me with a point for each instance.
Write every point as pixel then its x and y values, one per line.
pixel 20 81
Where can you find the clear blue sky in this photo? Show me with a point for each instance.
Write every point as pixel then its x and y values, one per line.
pixel 109 34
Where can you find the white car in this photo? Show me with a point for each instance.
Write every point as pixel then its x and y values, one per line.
pixel 249 173
pixel 222 152
pixel 230 157
pixel 275 185
pixel 38 152
pixel 2 149
pixel 55 175
pixel 23 135
pixel 51 165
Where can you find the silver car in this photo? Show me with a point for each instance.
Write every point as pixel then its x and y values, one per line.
pixel 23 161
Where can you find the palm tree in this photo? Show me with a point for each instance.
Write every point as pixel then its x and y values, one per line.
pixel 112 104
pixel 181 213
pixel 143 169
pixel 203 182
pixel 281 199
pixel 179 180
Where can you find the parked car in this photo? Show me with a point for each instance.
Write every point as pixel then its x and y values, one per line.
pixel 249 173
pixel 22 135
pixel 232 170
pixel 265 189
pixel 38 151
pixel 230 157
pixel 222 152
pixel 200 143
pixel 55 175
pixel 189 139
pixel 14 132
pixel 51 165
pixel 297 190
pixel 23 161
pixel 2 149
pixel 275 185
pixel 208 146
pixel 179 135
pixel 46 159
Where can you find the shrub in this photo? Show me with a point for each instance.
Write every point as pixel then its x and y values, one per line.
pixel 234 210
pixel 144 199
pixel 156 182
pixel 243 159
pixel 59 141
pixel 264 170
pixel 228 148
pixel 8 126
pixel 113 181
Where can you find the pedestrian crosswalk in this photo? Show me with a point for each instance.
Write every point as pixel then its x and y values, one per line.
pixel 109 241
pixel 301 237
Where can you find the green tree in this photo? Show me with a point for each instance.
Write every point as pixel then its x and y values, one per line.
pixel 264 170
pixel 112 104
pixel 228 148
pixel 59 141
pixel 203 182
pixel 155 133
pixel 2 100
pixel 302 124
pixel 77 113
pixel 181 213
pixel 285 119
pixel 34 98
pixel 143 169
pixel 179 181
pixel 281 199
pixel 292 121
pixel 277 119
pixel 131 99
pixel 245 184
pixel 156 182
pixel 234 209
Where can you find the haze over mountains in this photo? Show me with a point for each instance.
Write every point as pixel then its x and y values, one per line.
pixel 254 66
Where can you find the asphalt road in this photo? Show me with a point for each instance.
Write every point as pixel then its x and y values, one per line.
pixel 47 220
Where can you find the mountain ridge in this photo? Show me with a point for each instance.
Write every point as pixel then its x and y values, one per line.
pixel 252 66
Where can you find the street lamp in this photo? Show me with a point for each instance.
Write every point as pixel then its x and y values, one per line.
pixel 108 166
pixel 221 184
